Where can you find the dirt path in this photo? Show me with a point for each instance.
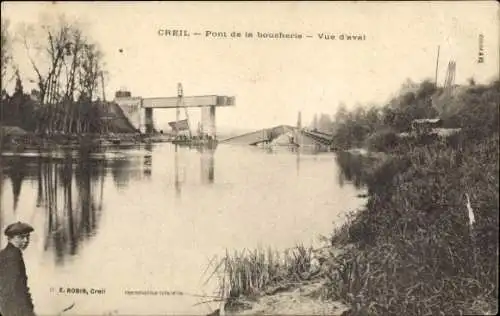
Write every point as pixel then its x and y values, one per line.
pixel 301 300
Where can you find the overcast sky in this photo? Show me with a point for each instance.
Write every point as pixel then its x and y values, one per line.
pixel 273 79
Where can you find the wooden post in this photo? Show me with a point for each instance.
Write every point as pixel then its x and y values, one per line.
pixel 437 66
pixel 2 224
pixel 177 183
pixel 177 108
pixel 189 126
pixel 141 118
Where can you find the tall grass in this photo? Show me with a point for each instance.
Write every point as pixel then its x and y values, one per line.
pixel 249 273
pixel 416 252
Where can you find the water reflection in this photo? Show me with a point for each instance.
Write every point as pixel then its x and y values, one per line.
pixel 87 203
pixel 17 175
pixel 69 190
pixel 207 165
pixel 121 178
pixel 71 195
pixel 353 169
pixel 148 160
pixel 297 161
pixel 177 182
pixel 2 224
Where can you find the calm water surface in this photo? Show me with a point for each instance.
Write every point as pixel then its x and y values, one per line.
pixel 152 218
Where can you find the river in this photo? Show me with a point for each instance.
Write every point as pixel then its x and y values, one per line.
pixel 152 218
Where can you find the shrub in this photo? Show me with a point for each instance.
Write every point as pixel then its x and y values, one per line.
pixel 416 253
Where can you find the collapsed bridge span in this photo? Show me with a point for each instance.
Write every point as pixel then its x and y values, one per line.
pixel 282 135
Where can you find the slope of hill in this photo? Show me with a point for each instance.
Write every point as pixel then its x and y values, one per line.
pixel 118 121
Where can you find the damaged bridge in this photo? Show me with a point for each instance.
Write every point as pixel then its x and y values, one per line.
pixel 283 135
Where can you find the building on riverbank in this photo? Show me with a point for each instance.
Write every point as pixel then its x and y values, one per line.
pixel 429 127
pixel 12 131
pixel 425 126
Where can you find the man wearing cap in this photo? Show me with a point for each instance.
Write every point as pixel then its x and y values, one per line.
pixel 15 298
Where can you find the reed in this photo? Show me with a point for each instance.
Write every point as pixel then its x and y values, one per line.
pixel 249 273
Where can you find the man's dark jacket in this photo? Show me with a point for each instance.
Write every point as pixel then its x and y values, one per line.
pixel 15 298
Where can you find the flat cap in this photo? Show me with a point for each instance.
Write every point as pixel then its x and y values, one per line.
pixel 18 228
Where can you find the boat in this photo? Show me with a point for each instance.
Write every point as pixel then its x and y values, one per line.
pixel 195 142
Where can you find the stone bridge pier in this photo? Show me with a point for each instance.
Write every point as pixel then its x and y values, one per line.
pixel 148 120
pixel 139 111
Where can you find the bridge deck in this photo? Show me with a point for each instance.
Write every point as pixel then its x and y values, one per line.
pixel 189 101
pixel 269 134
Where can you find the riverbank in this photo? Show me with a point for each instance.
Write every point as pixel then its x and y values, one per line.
pixel 303 299
pixel 413 250
pixel 301 289
pixel 427 241
pixel 16 139
pixel 274 283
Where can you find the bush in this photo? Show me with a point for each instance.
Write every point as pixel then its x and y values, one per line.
pixel 382 140
pixel 415 252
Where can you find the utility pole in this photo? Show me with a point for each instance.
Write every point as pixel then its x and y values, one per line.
pixel 437 66
pixel 104 106
pixel 298 135
pixel 177 109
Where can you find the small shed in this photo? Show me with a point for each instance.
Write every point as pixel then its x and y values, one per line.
pixel 425 126
pixel 12 131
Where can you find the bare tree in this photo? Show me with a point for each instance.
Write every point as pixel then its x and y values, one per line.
pixel 6 56
pixel 69 85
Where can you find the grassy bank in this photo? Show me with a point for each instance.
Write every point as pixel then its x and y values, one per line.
pixel 30 141
pixel 251 273
pixel 416 251
pixel 427 241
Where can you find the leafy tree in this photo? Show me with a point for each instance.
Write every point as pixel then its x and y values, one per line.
pixel 5 55
pixel 325 123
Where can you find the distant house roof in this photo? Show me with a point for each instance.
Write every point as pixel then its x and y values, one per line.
pixel 123 94
pixel 441 132
pixel 445 132
pixel 404 135
pixel 12 130
pixel 427 120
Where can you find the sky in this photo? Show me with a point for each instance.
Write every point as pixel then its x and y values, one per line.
pixel 274 79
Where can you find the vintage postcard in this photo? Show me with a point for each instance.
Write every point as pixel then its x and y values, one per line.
pixel 212 158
